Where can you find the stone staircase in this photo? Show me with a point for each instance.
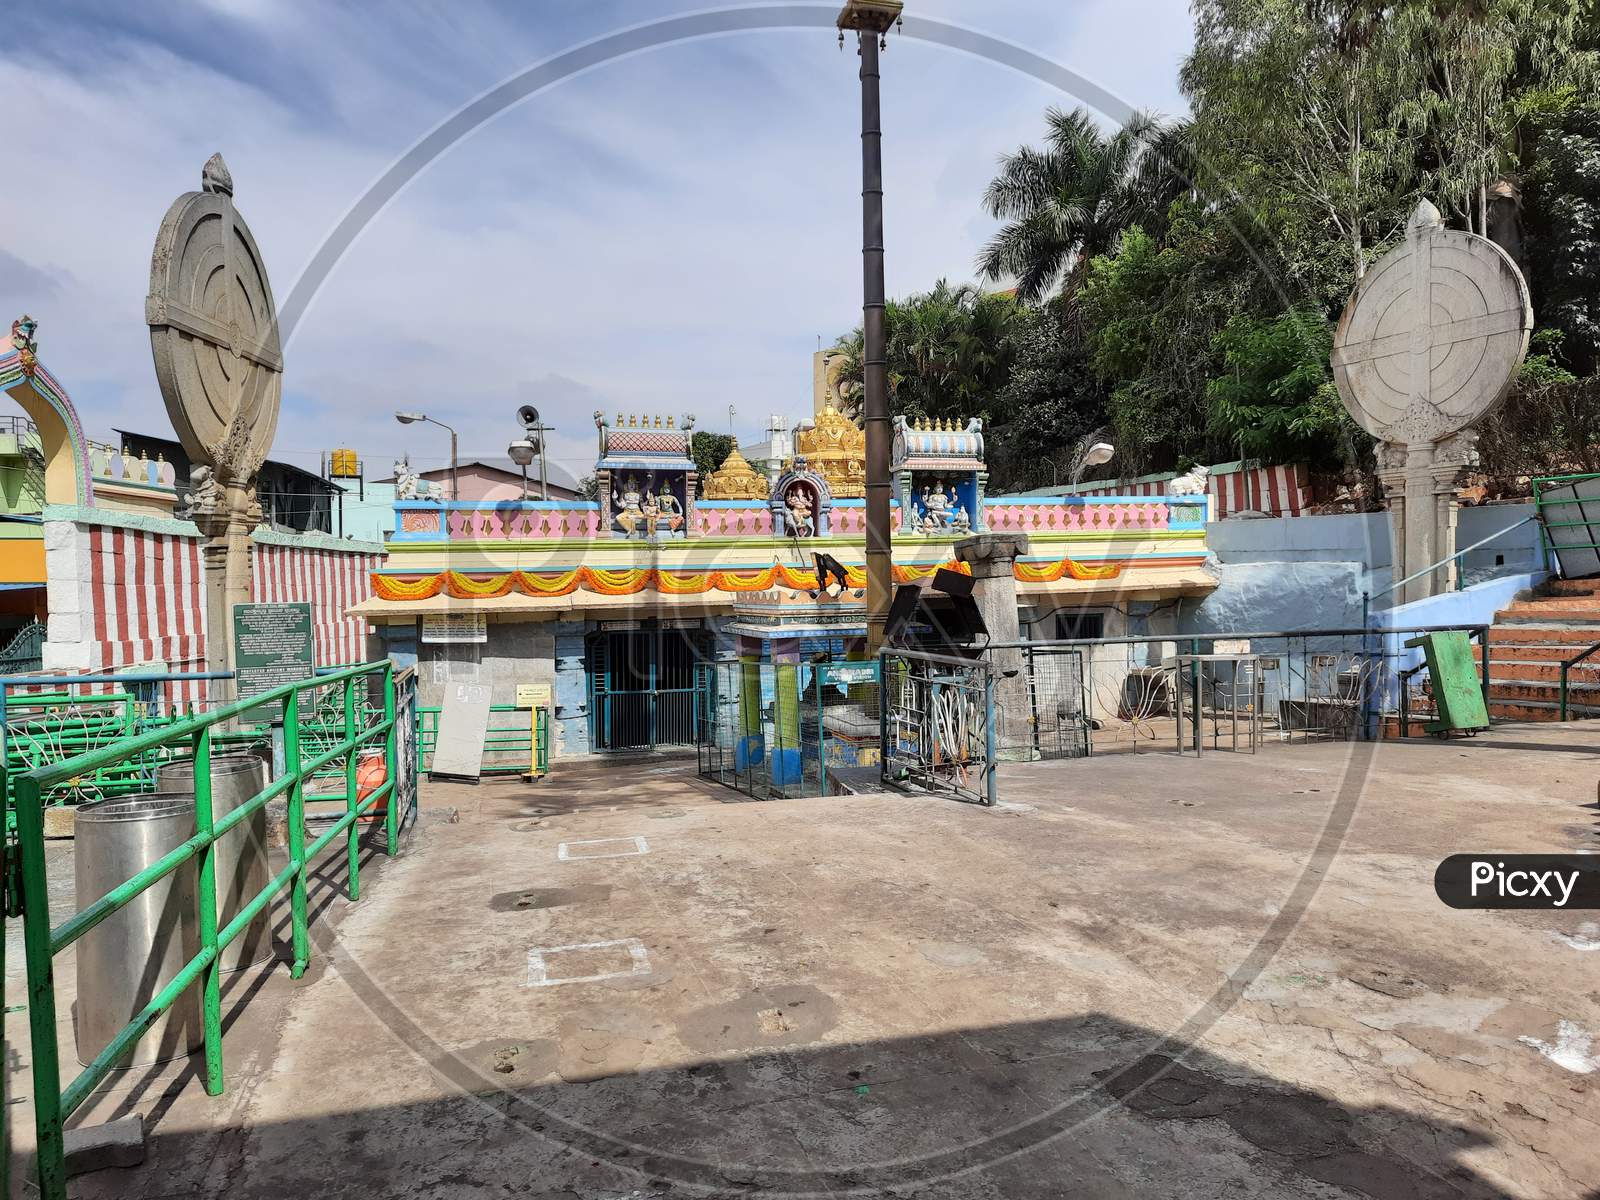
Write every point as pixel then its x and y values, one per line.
pixel 1527 644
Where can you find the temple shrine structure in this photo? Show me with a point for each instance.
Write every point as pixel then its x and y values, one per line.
pixel 612 603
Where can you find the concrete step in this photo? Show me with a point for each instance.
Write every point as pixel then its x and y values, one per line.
pixel 1514 689
pixel 1558 602
pixel 1576 609
pixel 1547 629
pixel 1572 587
pixel 1518 710
pixel 1531 652
pixel 1585 674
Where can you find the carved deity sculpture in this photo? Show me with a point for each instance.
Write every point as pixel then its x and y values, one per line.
pixel 798 502
pixel 671 512
pixel 630 515
pixel 205 493
pixel 405 480
pixel 24 341
pixel 936 508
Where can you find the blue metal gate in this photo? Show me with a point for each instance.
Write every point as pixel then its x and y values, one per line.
pixel 642 686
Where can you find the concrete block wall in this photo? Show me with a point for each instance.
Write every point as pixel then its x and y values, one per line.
pixel 1364 541
pixel 1515 553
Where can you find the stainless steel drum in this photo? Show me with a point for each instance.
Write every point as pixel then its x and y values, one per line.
pixel 241 854
pixel 131 955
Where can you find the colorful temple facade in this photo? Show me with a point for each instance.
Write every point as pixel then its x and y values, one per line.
pixel 615 601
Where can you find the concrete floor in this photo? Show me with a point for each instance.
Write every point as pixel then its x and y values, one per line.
pixel 1143 977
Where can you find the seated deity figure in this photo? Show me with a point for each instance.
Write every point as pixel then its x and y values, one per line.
pixel 962 522
pixel 671 512
pixel 798 502
pixel 629 516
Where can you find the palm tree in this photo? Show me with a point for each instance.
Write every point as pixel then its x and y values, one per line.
pixel 948 351
pixel 1071 201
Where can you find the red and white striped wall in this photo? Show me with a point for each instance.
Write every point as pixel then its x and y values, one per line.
pixel 332 581
pixel 1278 491
pixel 120 596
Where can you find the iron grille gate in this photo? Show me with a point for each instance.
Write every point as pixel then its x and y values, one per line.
pixel 642 687
pixel 939 724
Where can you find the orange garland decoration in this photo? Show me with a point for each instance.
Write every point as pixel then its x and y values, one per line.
pixel 633 580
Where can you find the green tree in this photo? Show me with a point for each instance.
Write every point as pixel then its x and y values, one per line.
pixel 1070 201
pixel 1050 401
pixel 1153 311
pixel 1563 225
pixel 949 351
pixel 1293 106
pixel 708 450
pixel 1275 399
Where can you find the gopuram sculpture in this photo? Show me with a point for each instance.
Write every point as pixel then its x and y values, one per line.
pixel 214 337
pixel 837 451
pixel 736 479
pixel 1429 344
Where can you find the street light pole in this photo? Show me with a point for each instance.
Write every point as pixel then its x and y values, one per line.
pixel 412 418
pixel 871 20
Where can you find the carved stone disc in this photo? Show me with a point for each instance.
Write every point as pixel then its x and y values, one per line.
pixel 1433 336
pixel 214 331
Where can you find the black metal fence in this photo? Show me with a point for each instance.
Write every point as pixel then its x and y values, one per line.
pixel 1244 690
pixel 943 722
pixel 774 730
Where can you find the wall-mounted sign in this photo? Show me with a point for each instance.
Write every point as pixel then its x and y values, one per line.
pixel 850 673
pixel 272 645
pixel 455 627
pixel 533 695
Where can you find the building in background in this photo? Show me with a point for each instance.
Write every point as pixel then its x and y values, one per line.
pixel 616 602
pixel 293 500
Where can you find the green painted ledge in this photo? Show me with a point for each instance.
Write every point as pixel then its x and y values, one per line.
pixel 84 514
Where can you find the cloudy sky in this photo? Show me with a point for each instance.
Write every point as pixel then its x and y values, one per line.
pixel 669 232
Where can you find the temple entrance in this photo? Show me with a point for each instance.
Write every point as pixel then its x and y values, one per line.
pixel 641 684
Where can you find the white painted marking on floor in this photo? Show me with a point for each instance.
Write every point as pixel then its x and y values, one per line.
pixel 1570 1050
pixel 1587 937
pixel 539 966
pixel 636 846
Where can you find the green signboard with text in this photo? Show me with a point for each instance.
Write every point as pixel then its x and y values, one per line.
pixel 272 645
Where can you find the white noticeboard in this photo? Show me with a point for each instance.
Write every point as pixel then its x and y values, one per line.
pixel 455 627
pixel 463 725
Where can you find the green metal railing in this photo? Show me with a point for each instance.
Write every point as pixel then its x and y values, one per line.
pixel 53 1104
pixel 1566 672
pixel 511 746
pixel 41 729
pixel 1544 508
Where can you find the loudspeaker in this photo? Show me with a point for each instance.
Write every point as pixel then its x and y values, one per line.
pixel 902 612
pixel 528 415
pixel 952 583
pixel 955 619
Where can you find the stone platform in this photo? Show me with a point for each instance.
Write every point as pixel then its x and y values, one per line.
pixel 1136 978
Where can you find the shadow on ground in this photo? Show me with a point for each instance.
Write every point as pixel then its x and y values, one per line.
pixel 1051 1108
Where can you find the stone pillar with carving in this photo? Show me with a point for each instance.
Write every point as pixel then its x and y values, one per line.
pixel 1429 344
pixel 214 337
pixel 993 559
